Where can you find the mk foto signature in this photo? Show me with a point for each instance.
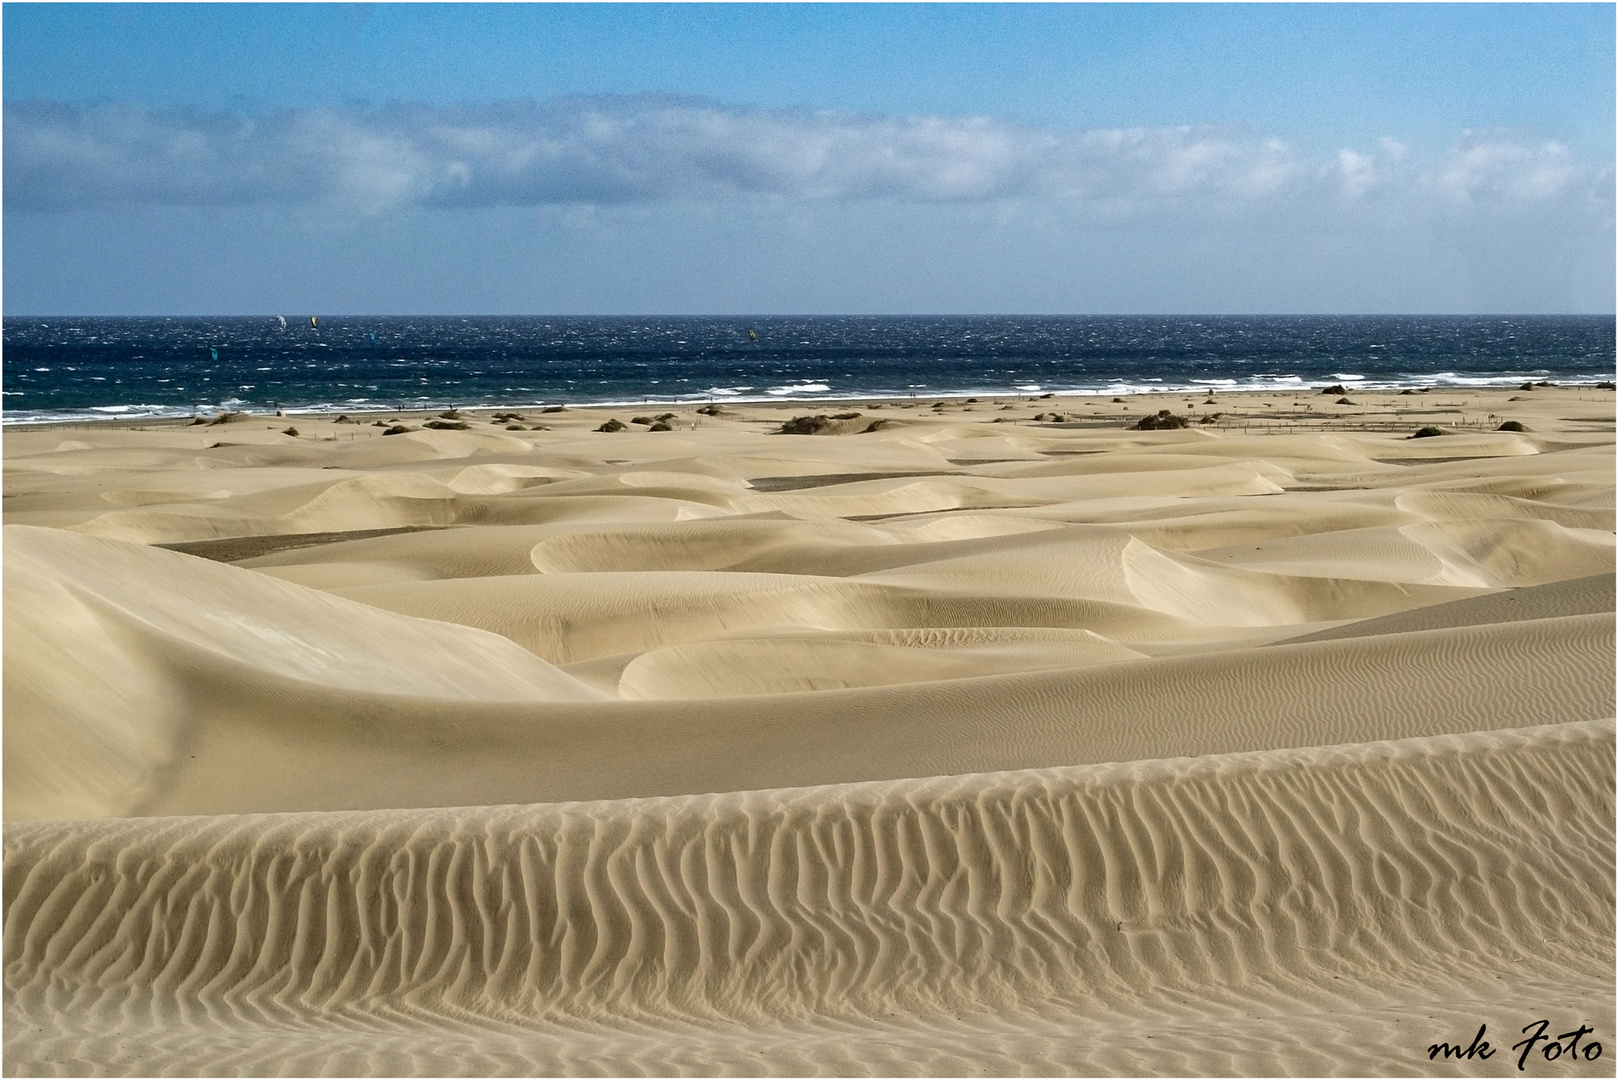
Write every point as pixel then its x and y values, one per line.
pixel 1566 1044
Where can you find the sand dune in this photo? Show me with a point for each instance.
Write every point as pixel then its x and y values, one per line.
pixel 951 746
pixel 102 633
pixel 1119 918
pixel 1576 596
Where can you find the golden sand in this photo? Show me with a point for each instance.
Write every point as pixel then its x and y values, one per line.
pixel 950 740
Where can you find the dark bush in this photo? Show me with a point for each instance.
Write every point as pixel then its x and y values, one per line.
pixel 612 425
pixel 1335 388
pixel 446 425
pixel 643 420
pixel 1345 401
pixel 291 431
pixel 1511 425
pixel 806 425
pixel 397 429
pixel 554 408
pixel 660 425
pixel 1427 432
pixel 1163 421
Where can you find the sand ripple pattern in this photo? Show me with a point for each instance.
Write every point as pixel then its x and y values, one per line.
pixel 974 918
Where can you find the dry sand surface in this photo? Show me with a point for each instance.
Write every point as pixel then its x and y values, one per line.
pixel 947 740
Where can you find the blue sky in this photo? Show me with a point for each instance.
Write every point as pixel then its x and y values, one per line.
pixel 197 158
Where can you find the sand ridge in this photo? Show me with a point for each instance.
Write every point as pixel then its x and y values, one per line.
pixel 966 742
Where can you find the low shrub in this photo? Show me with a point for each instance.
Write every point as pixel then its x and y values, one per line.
pixel 1163 421
pixel 806 425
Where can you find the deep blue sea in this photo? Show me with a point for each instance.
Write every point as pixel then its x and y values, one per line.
pixel 77 368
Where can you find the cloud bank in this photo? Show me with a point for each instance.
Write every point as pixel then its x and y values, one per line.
pixel 644 149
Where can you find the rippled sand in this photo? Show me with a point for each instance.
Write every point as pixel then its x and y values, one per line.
pixel 947 747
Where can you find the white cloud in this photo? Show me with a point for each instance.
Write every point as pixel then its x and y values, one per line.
pixel 1484 166
pixel 618 150
pixel 1357 173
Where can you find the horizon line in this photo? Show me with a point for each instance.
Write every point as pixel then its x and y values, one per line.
pixel 845 315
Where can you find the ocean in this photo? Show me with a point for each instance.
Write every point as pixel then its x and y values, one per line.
pixel 61 368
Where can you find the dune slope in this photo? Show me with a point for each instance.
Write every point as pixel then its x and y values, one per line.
pixel 1072 912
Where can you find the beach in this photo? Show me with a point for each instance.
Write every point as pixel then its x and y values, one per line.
pixel 997 735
